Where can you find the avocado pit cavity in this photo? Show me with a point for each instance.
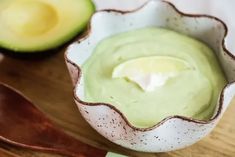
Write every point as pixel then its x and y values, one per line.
pixel 30 17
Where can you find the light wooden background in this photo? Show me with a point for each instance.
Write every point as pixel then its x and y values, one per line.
pixel 47 83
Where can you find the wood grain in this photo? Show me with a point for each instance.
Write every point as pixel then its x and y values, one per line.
pixel 46 82
pixel 5 153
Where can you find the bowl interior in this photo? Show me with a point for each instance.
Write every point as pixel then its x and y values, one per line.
pixel 103 24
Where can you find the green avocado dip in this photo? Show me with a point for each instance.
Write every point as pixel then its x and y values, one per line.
pixel 152 73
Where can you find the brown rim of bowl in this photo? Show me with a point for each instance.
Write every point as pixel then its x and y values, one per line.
pixel 221 98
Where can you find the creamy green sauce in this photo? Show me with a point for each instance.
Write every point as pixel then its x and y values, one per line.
pixel 192 93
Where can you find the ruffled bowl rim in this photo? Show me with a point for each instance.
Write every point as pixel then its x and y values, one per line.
pixel 88 32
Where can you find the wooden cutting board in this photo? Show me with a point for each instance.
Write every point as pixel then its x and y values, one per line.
pixel 46 81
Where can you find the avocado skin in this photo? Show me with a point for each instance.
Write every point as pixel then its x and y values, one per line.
pixel 38 55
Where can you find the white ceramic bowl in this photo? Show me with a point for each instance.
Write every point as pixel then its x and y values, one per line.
pixel 173 132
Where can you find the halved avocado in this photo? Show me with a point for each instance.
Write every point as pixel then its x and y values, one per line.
pixel 38 25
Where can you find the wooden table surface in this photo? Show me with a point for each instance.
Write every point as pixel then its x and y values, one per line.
pixel 47 83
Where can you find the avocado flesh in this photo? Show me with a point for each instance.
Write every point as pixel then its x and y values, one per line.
pixel 191 93
pixel 39 25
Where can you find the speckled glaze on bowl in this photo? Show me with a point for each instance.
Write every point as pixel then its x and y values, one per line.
pixel 173 132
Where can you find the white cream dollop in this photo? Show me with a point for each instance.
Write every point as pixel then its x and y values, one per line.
pixel 149 82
